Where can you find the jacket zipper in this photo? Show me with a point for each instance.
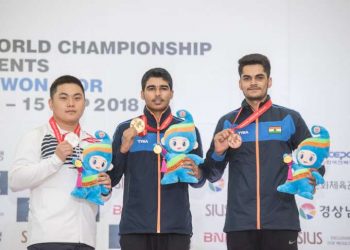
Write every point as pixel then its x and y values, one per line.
pixel 258 222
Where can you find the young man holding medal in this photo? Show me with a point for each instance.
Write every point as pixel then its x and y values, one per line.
pixel 253 139
pixel 43 164
pixel 155 216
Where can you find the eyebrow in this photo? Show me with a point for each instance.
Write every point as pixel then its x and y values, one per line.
pixel 66 94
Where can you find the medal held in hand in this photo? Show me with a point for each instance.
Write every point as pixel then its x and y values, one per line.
pixel 234 140
pixel 72 139
pixel 138 124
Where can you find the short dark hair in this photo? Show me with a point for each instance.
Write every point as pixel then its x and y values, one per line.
pixel 157 72
pixel 252 59
pixel 62 80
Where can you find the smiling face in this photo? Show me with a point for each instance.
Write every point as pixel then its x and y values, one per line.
pixel 67 105
pixel 306 157
pixel 179 144
pixel 98 163
pixel 254 82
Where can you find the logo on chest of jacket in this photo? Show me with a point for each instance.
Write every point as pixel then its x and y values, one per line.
pixel 142 141
pixel 275 130
pixel 243 132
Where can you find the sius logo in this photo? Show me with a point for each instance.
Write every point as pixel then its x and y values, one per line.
pixel 310 238
pixel 114 237
pixel 22 209
pixel 142 141
pixel 3 183
pixel 215 210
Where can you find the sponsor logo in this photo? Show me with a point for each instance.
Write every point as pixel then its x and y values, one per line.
pixel 215 210
pixel 243 132
pixel 24 236
pixel 338 158
pixel 114 237
pixel 217 186
pixel 335 185
pixel 117 209
pixel 214 237
pixel 340 241
pixel 142 141
pixel 22 209
pixel 335 211
pixel 310 238
pixel 275 130
pixel 307 211
pixel 3 183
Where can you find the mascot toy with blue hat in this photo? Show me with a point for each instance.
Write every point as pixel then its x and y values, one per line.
pixel 96 158
pixel 310 153
pixel 178 140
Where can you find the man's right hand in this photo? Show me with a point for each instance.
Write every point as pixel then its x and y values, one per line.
pixel 63 150
pixel 128 139
pixel 221 142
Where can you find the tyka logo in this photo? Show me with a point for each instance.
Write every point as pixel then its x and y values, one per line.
pixel 114 237
pixel 22 209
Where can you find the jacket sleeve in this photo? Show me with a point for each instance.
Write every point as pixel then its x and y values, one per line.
pixel 214 165
pixel 28 169
pixel 198 151
pixel 119 160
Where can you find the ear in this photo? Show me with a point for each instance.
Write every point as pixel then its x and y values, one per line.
pixel 240 84
pixel 269 84
pixel 195 145
pixel 142 94
pixel 172 94
pixel 162 141
pixel 50 103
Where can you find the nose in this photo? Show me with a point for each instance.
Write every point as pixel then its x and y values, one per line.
pixel 70 102
pixel 157 91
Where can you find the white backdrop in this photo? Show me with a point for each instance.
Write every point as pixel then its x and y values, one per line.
pixel 110 44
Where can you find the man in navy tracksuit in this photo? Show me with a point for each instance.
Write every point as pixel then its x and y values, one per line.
pixel 155 216
pixel 253 139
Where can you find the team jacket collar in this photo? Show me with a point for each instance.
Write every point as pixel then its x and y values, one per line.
pixel 245 104
pixel 151 120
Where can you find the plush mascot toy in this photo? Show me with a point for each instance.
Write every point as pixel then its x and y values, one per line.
pixel 179 139
pixel 311 153
pixel 96 158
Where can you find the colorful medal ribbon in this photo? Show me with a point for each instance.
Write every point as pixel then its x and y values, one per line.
pixel 57 133
pixel 253 116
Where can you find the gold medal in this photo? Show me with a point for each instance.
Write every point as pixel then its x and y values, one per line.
pixel 157 149
pixel 138 124
pixel 234 140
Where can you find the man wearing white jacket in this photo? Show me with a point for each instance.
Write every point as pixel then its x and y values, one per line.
pixel 57 220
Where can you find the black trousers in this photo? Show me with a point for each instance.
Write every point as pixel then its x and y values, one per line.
pixel 60 246
pixel 155 241
pixel 262 240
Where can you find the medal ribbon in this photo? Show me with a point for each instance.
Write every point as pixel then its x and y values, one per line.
pixel 164 125
pixel 253 116
pixel 57 133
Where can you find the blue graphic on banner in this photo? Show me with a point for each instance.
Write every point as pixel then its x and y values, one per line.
pixel 3 183
pixel 114 237
pixel 22 209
